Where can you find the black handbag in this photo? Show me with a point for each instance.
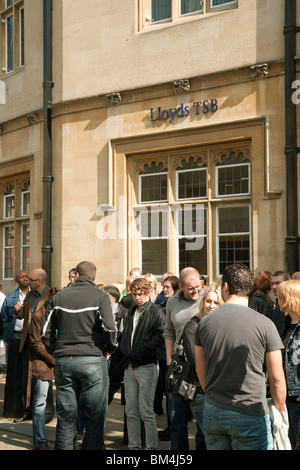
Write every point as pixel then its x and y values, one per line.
pixel 181 379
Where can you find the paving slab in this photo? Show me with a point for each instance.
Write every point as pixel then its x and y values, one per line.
pixel 18 436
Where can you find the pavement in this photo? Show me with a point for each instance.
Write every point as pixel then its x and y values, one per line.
pixel 18 436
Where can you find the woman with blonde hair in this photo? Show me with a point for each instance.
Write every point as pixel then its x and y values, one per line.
pixel 211 299
pixel 288 294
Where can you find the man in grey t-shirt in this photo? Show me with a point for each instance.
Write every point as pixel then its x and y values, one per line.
pixel 233 345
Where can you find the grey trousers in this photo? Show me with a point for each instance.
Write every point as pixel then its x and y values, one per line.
pixel 140 385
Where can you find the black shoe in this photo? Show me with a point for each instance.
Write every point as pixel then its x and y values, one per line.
pixel 25 417
pixel 165 435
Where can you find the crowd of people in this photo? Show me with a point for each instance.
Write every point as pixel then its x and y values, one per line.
pixel 241 337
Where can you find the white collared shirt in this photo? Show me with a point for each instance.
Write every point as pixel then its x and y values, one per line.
pixel 19 323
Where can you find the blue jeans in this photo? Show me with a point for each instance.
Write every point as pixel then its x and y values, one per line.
pixel 197 408
pixel 140 386
pixel 228 430
pixel 180 414
pixel 88 376
pixel 39 401
pixel 294 422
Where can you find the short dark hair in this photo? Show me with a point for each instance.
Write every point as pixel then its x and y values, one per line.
pixel 284 274
pixel 113 291
pixel 87 270
pixel 239 279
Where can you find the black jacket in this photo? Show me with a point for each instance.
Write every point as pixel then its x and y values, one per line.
pixel 81 322
pixel 148 336
pixel 261 303
pixel 188 342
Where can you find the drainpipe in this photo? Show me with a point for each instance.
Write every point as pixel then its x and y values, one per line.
pixel 47 140
pixel 291 149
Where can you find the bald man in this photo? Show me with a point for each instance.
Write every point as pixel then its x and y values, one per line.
pixel 181 308
pixel 39 292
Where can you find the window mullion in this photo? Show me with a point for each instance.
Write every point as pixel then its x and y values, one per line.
pixel 175 9
pixel 21 38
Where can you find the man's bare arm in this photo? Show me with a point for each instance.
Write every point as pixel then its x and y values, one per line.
pixel 200 361
pixel 169 343
pixel 276 379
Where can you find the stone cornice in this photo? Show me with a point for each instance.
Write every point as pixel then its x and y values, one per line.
pixel 167 89
pixel 21 122
pixel 158 91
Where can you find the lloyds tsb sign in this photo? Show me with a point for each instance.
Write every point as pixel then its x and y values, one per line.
pixel 182 111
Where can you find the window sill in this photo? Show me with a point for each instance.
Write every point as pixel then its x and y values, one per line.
pixel 7 75
pixel 145 25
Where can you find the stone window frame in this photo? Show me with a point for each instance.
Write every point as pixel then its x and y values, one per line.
pixel 121 157
pixel 17 186
pixel 12 9
pixel 209 159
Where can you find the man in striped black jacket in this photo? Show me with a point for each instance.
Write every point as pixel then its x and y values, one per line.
pixel 82 331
